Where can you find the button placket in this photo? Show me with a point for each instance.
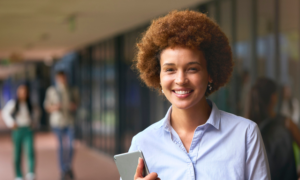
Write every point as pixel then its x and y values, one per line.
pixel 197 155
pixel 195 143
pixel 191 170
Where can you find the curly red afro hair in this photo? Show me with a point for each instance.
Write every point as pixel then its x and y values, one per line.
pixel 188 29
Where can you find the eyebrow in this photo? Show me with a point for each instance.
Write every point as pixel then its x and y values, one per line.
pixel 168 64
pixel 194 63
pixel 172 64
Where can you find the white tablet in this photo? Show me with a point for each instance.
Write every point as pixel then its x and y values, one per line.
pixel 127 164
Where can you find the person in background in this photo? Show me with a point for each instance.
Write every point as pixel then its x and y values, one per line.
pixel 289 106
pixel 278 132
pixel 18 116
pixel 61 102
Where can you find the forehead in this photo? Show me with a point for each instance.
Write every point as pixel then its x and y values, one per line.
pixel 60 75
pixel 22 87
pixel 181 55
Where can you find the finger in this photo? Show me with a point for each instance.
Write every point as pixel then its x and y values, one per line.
pixel 151 176
pixel 139 169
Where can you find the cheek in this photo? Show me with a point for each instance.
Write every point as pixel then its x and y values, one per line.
pixel 24 93
pixel 199 80
pixel 166 80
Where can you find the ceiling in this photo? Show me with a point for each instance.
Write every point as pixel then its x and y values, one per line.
pixel 43 29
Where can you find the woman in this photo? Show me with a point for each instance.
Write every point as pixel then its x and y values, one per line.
pixel 17 115
pixel 186 56
pixel 278 132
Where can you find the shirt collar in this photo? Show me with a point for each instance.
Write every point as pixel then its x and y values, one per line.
pixel 213 120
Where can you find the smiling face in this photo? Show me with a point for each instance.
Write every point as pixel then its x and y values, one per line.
pixel 184 77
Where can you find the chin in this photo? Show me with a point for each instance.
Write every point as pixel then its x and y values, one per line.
pixel 183 106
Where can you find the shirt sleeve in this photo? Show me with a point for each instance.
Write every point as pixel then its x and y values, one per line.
pixel 7 113
pixel 46 101
pixel 133 146
pixel 257 166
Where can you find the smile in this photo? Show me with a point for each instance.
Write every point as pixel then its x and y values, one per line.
pixel 182 92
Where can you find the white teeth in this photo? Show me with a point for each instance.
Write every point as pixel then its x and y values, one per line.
pixel 182 92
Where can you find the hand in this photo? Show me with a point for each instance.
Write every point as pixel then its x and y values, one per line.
pixel 33 126
pixel 54 108
pixel 15 126
pixel 139 172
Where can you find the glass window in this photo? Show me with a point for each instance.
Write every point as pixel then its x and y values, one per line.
pixel 243 61
pixel 96 91
pixel 289 45
pixel 265 39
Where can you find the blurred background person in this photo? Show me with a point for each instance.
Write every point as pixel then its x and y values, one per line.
pixel 18 115
pixel 61 102
pixel 278 131
pixel 289 105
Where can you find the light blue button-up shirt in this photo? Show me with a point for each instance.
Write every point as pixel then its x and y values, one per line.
pixel 226 147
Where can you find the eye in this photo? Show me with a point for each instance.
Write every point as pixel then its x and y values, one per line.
pixel 169 70
pixel 192 69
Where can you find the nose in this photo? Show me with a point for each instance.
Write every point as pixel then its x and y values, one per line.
pixel 181 78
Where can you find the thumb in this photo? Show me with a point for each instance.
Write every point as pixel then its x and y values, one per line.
pixel 151 176
pixel 139 169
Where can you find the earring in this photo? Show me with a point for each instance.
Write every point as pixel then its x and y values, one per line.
pixel 162 91
pixel 209 87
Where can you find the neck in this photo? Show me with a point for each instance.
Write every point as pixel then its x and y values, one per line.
pixel 187 120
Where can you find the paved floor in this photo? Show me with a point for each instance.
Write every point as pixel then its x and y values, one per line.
pixel 88 164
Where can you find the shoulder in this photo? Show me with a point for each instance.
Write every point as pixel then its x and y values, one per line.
pixel 236 120
pixel 51 89
pixel 238 124
pixel 11 103
pixel 148 133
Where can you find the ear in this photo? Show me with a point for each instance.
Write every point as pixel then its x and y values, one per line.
pixel 210 79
